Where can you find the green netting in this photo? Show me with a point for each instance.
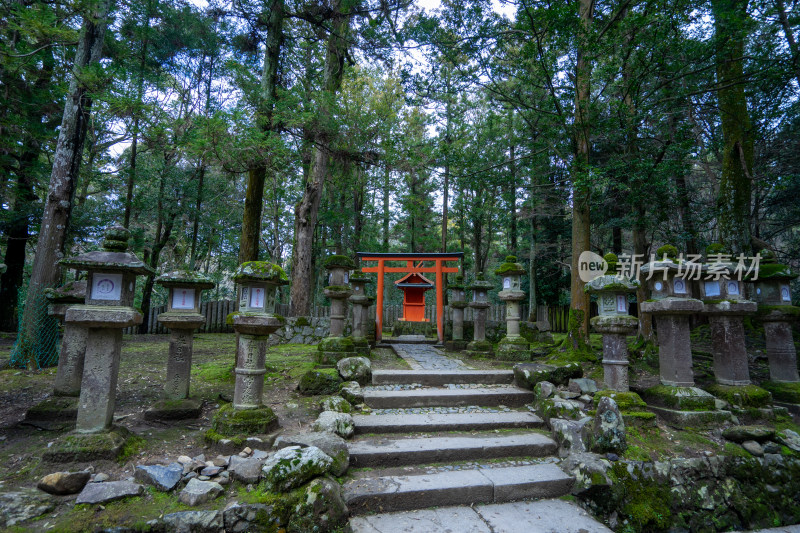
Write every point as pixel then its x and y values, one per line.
pixel 36 347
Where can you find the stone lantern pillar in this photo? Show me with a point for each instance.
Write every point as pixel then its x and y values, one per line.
pixel 336 346
pixel 775 310
pixel 513 347
pixel 108 309
pixel 457 304
pixel 63 405
pixel 614 323
pixel 182 318
pixel 480 303
pixel 256 284
pixel 361 303
pixel 724 303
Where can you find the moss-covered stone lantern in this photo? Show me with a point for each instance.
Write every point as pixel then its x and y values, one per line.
pixel 614 323
pixel 480 303
pixel 773 295
pixel 63 404
pixel 457 303
pixel 671 303
pixel 108 309
pixel 512 347
pixel 361 303
pixel 724 303
pixel 183 318
pixel 256 286
pixel 336 346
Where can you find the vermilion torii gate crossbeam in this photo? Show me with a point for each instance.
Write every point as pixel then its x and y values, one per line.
pixel 439 268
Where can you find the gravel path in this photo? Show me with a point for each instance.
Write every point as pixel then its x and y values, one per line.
pixel 426 357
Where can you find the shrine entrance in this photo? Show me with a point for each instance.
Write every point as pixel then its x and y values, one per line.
pixel 414 265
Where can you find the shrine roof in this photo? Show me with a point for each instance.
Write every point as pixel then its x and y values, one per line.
pixel 408 281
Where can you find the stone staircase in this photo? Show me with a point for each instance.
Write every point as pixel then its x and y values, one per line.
pixel 448 438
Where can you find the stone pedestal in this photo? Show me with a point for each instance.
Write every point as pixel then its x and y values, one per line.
pixel 728 342
pixel 674 341
pixel 615 330
pixel 457 343
pixel 479 344
pixel 361 303
pixel 512 347
pixel 336 346
pixel 780 343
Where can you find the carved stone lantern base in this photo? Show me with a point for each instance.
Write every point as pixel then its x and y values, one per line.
pixel 56 411
pixel 749 403
pixel 479 348
pixel 361 346
pixel 88 447
pixel 230 422
pixel 332 349
pixel 455 345
pixel 615 330
pixel 685 406
pixel 513 349
pixel 179 409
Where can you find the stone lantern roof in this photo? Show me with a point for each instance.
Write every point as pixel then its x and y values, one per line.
pixel 480 283
pixel 114 257
pixel 458 284
pixel 260 271
pixel 360 277
pixel 510 267
pixel 770 270
pixel 339 261
pixel 610 283
pixel 185 278
pixel 70 292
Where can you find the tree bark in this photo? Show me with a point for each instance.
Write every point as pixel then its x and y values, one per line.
pixel 735 186
pixel 256 175
pixel 307 210
pixel 787 31
pixel 66 165
pixel 581 224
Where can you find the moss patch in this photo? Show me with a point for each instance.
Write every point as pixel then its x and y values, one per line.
pixel 232 422
pixel 743 396
pixel 322 381
pixel 784 392
pixel 626 401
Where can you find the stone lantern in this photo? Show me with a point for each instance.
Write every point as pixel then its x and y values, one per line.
pixel 336 346
pixel 457 304
pixel 614 323
pixel 183 318
pixel 671 303
pixel 513 347
pixel 256 285
pixel 773 295
pixel 724 303
pixel 480 303
pixel 63 405
pixel 108 309
pixel 361 303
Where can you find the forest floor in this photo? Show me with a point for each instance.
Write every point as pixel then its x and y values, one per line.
pixel 140 384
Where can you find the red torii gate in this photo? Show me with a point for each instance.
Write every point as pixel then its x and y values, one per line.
pixel 439 269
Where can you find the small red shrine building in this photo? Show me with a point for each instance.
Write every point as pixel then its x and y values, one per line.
pixel 414 286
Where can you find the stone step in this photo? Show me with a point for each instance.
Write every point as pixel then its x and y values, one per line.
pixel 434 422
pixel 437 378
pixel 383 452
pixel 508 396
pixel 461 487
pixel 542 516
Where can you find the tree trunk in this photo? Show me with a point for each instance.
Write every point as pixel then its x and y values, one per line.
pixel 307 210
pixel 787 31
pixel 254 197
pixel 66 165
pixel 581 224
pixel 735 186
pixel 386 197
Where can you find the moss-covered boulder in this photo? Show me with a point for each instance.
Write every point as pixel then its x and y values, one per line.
pixel 315 382
pixel 230 422
pixel 293 466
pixel 527 375
pixel 355 369
pixel 679 398
pixel 332 349
pixel 341 424
pixel 741 395
pixel 608 431
pixel 336 404
pixel 742 434
pixel 783 392
pixel 352 392
pixel 333 445
pixel 557 407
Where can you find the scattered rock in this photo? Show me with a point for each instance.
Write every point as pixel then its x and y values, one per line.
pixel 100 477
pixel 290 467
pixel 772 447
pixel 588 469
pixel 572 436
pixel 197 492
pixel 61 483
pixel 16 507
pixel 352 392
pixel 259 454
pixel 108 491
pixel 162 477
pixel 568 395
pixel 221 460
pixel 741 434
pixel 753 447
pixel 557 407
pixel 195 521
pixel 185 460
pixel 790 439
pixel 240 518
pixel 333 445
pixel 340 423
pixel 246 470
pixel 322 508
pixel 583 385
pixel 608 432
pixel 355 369
pixel 211 471
pixel 543 390
pixel 315 382
pixel 336 403
pixel 527 375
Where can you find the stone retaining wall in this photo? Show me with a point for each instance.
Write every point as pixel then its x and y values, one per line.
pixel 304 330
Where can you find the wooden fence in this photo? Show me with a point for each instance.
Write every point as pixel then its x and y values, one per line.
pixel 217 311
